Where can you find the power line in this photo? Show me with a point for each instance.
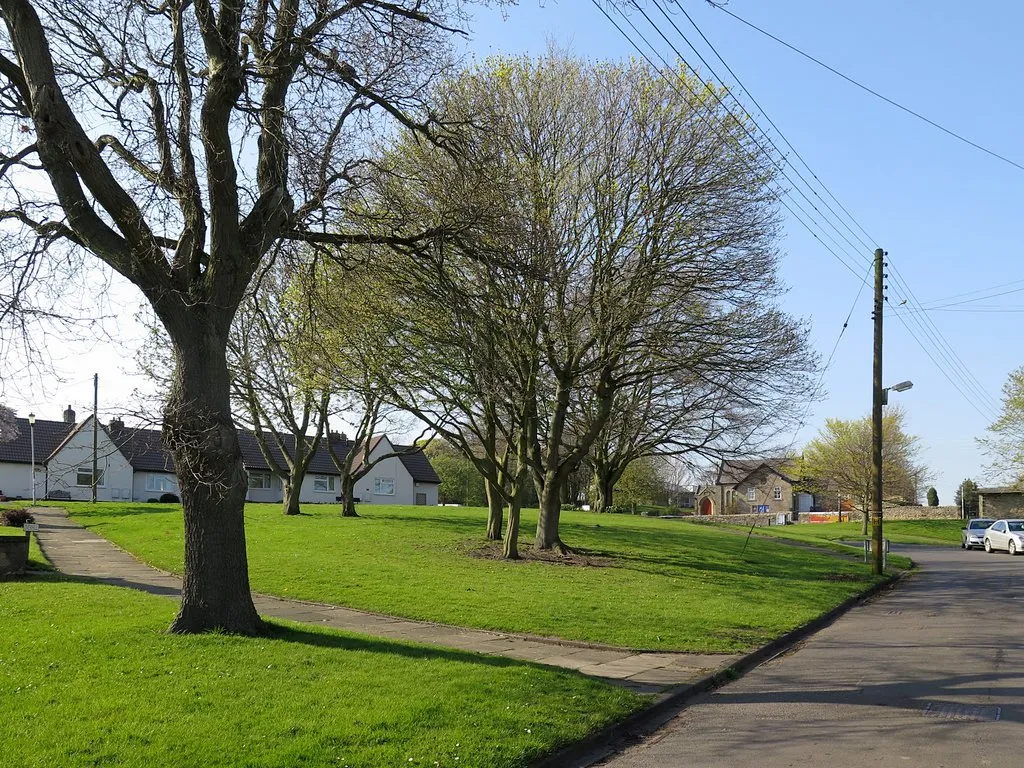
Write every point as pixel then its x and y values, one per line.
pixel 930 340
pixel 771 122
pixel 778 195
pixel 873 92
pixel 974 292
pixel 930 332
pixel 778 159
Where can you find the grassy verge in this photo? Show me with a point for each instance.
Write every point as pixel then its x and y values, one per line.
pixel 89 677
pixel 932 532
pixel 649 584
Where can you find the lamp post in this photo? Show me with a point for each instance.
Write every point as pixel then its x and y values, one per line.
pixel 32 442
pixel 877 566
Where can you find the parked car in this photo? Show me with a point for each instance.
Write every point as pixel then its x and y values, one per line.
pixel 974 534
pixel 1005 534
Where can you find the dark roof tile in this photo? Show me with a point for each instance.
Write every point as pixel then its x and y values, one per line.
pixel 48 435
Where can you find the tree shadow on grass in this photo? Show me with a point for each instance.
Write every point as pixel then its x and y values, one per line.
pixel 334 639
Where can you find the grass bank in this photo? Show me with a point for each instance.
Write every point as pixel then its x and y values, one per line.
pixel 89 677
pixel 649 583
pixel 932 532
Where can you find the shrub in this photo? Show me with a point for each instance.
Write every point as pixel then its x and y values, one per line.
pixel 16 517
pixel 169 498
pixel 152 501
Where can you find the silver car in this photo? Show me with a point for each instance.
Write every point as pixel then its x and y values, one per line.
pixel 974 534
pixel 1005 534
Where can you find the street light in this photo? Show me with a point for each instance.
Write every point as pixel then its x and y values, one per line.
pixel 32 441
pixel 903 386
pixel 876 459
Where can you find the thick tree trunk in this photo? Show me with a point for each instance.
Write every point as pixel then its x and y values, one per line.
pixel 495 510
pixel 291 497
pixel 348 491
pixel 603 494
pixel 201 435
pixel 510 546
pixel 547 519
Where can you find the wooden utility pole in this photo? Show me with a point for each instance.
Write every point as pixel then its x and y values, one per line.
pixel 95 431
pixel 877 396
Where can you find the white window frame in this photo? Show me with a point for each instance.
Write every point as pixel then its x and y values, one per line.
pixel 378 483
pixel 328 483
pixel 100 483
pixel 777 493
pixel 266 481
pixel 161 484
pixel 751 494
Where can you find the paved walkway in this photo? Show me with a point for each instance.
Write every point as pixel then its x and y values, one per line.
pixel 77 551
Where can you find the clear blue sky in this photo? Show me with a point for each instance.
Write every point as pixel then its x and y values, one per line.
pixel 946 213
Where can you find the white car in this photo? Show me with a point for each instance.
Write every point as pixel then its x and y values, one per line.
pixel 1005 534
pixel 974 534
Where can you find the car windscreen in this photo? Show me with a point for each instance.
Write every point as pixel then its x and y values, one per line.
pixel 979 524
pixel 1016 525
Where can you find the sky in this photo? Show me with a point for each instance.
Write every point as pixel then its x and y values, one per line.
pixel 946 213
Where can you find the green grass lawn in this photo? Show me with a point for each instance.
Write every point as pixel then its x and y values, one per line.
pixel 935 532
pixel 88 677
pixel 660 584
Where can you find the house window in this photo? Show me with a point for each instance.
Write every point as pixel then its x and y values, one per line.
pixel 324 483
pixel 84 478
pixel 259 481
pixel 384 486
pixel 160 483
pixel 778 493
pixel 751 494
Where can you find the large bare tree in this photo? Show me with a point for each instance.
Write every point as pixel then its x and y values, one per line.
pixel 180 142
pixel 607 234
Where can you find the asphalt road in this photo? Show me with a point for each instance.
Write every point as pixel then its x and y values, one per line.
pixel 928 674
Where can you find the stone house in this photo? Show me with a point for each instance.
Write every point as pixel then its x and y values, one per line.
pixel 1001 502
pixel 753 486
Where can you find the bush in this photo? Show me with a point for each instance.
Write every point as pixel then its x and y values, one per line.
pixel 152 501
pixel 169 498
pixel 16 518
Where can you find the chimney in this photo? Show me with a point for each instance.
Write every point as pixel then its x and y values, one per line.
pixel 69 415
pixel 116 425
pixel 335 437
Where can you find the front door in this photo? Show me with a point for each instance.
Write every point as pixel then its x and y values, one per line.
pixel 706 506
pixel 421 499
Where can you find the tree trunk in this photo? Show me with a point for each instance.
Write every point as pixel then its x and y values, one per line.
pixel 495 510
pixel 547 519
pixel 604 490
pixel 348 492
pixel 202 438
pixel 510 546
pixel 291 497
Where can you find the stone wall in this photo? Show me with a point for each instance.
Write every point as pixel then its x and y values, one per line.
pixel 917 513
pixel 13 554
pixel 756 520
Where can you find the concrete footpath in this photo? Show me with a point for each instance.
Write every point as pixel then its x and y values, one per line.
pixel 76 551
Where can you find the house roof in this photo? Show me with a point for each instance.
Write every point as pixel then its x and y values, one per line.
pixel 1000 489
pixel 736 471
pixel 145 452
pixel 417 464
pixel 48 435
pixel 142 448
